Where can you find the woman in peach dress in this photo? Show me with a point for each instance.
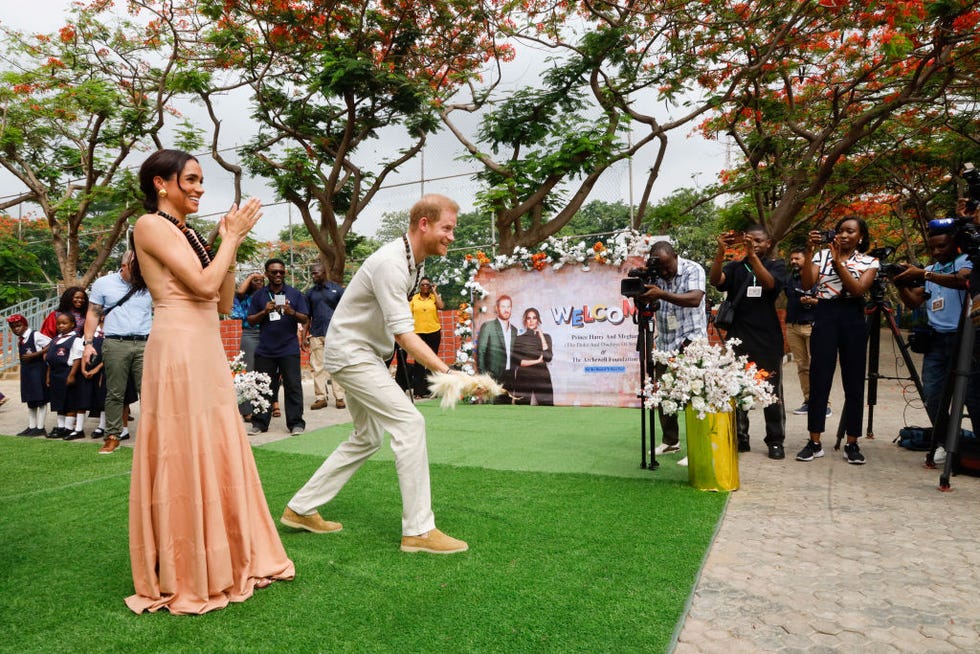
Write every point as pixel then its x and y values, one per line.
pixel 200 532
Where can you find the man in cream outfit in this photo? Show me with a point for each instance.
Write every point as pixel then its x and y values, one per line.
pixel 372 316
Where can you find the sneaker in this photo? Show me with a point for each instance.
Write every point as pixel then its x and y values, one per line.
pixel 743 446
pixel 663 448
pixel 830 411
pixel 319 404
pixel 298 429
pixel 852 454
pixel 940 455
pixel 312 523
pixel 110 446
pixel 810 451
pixel 683 462
pixel 777 452
pixel 433 542
pixel 801 410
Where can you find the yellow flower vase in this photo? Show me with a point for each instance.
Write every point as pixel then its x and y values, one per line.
pixel 712 453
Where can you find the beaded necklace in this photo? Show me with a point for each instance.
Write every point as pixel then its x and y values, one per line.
pixel 408 260
pixel 200 247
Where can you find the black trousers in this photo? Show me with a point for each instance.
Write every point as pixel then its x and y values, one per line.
pixel 420 385
pixel 840 329
pixel 292 383
pixel 774 414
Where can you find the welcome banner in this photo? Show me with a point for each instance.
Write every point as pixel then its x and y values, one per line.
pixel 589 324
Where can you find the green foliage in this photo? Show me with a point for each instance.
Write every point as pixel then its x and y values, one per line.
pixel 692 223
pixel 598 217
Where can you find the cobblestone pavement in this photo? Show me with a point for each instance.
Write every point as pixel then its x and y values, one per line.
pixel 831 557
pixel 812 557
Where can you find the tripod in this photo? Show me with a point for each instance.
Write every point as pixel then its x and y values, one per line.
pixel 879 309
pixel 644 321
pixel 954 397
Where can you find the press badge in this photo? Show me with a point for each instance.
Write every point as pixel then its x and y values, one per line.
pixel 937 304
pixel 753 291
pixel 274 315
pixel 672 323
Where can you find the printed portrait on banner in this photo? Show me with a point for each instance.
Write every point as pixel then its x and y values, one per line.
pixel 564 337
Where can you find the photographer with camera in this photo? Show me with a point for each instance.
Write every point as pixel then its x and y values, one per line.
pixel 840 274
pixel 942 286
pixel 679 292
pixel 756 280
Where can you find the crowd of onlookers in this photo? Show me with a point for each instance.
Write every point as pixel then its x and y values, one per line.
pixel 64 368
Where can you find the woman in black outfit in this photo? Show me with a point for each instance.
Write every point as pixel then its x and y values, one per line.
pixel 529 358
pixel 840 274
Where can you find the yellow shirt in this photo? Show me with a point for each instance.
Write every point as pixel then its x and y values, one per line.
pixel 426 314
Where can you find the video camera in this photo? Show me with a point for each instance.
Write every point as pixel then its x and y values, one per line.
pixel 637 279
pixel 966 235
pixel 972 178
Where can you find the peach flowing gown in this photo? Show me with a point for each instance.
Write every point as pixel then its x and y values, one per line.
pixel 200 531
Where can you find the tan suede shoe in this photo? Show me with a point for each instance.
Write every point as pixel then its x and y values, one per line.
pixel 110 445
pixel 433 542
pixel 312 522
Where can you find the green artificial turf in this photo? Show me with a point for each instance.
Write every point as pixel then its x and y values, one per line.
pixel 558 561
pixel 600 441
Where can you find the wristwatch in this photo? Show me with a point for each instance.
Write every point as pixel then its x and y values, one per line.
pixel 87 341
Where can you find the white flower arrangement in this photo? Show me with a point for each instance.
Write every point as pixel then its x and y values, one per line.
pixel 708 378
pixel 250 386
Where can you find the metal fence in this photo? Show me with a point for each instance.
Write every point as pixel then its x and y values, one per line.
pixel 35 311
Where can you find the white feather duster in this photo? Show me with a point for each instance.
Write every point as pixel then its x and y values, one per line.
pixel 452 387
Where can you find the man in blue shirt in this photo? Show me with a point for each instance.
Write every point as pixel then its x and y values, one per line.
pixel 321 298
pixel 279 310
pixel 943 292
pixel 128 315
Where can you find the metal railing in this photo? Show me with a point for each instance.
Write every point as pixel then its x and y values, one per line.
pixel 35 311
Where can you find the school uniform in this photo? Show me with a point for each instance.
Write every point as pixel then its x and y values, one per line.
pixel 33 390
pixel 95 388
pixel 62 354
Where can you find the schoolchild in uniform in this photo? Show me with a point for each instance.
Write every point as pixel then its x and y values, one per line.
pixel 64 359
pixel 93 372
pixel 32 346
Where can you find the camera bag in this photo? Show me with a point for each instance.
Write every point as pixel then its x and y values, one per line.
pixel 921 338
pixel 725 316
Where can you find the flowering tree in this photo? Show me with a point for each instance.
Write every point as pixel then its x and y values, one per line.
pixel 74 106
pixel 328 78
pixel 620 79
pixel 846 71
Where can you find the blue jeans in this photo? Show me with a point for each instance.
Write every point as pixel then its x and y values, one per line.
pixel 936 366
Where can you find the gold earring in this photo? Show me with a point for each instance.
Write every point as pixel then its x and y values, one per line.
pixel 162 193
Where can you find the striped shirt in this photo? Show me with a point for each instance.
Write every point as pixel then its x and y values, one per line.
pixel 829 285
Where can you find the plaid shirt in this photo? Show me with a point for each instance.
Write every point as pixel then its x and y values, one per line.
pixel 688 322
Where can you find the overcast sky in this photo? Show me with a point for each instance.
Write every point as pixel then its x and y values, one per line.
pixel 690 160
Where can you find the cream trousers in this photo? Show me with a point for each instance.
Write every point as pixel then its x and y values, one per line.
pixel 377 405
